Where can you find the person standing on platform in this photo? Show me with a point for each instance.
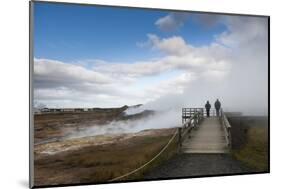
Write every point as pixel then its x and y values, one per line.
pixel 208 107
pixel 218 107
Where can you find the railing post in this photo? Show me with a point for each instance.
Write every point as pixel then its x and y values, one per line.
pixel 180 142
pixel 229 137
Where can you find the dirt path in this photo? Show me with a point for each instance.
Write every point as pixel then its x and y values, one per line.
pixel 189 165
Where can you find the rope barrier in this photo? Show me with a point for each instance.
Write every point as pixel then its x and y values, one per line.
pixel 144 165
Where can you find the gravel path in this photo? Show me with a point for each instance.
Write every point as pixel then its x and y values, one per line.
pixel 189 165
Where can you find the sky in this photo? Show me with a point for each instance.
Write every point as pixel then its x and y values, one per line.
pixel 94 56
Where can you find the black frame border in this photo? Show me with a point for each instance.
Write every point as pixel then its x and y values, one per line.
pixel 31 63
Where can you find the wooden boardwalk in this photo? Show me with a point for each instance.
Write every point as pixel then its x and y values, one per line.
pixel 208 137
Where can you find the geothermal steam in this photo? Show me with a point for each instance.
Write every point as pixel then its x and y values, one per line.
pixel 164 119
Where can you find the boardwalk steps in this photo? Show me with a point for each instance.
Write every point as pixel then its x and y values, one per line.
pixel 208 137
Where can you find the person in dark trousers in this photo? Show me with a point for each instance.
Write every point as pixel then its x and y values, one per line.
pixel 208 107
pixel 218 107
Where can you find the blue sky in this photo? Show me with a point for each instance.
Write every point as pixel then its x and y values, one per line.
pixel 74 32
pixel 147 56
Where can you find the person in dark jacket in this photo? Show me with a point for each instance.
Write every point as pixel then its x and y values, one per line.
pixel 218 107
pixel 208 107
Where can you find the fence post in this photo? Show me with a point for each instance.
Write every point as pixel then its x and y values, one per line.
pixel 195 120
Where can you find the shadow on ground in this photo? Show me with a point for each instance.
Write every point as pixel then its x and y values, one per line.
pixel 190 165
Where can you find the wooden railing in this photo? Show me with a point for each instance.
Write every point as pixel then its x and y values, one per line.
pixel 226 127
pixel 191 118
pixel 187 113
pixel 212 112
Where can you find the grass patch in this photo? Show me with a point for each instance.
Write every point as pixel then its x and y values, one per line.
pixel 255 152
pixel 170 151
pixel 98 164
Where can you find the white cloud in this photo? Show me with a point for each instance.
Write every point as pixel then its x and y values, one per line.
pixel 175 45
pixel 172 21
pixel 178 55
pixel 51 72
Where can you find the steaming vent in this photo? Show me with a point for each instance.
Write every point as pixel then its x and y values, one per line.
pixel 136 109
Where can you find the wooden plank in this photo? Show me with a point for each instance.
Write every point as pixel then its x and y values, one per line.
pixel 209 137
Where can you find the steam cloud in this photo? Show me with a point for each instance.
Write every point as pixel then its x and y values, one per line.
pixel 165 119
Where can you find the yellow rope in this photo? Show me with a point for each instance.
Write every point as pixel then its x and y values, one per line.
pixel 163 149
